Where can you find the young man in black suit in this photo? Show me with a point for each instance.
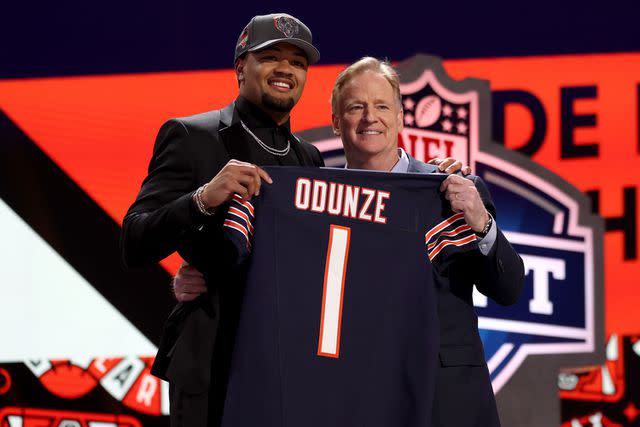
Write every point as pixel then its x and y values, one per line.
pixel 198 163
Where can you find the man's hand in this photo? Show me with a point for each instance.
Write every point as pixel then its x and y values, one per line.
pixel 464 197
pixel 235 177
pixel 188 283
pixel 450 165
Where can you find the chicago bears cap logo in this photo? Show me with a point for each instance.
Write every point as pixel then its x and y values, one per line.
pixel 286 25
pixel 244 38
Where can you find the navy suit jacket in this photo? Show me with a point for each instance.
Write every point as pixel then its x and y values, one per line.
pixel 463 396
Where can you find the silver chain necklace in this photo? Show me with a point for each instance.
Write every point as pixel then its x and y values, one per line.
pixel 275 152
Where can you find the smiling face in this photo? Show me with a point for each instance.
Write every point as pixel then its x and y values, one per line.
pixel 368 119
pixel 273 78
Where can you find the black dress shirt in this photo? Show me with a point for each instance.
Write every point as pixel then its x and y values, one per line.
pixel 270 133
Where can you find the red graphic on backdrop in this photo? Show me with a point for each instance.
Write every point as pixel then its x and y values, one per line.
pixel 605 395
pixel 126 379
pixel 68 380
pixel 594 420
pixel 32 417
pixel 601 383
pixel 5 381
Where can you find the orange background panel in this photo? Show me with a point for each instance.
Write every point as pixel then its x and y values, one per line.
pixel 616 77
pixel 101 129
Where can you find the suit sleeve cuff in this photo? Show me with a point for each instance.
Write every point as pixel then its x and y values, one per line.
pixel 487 242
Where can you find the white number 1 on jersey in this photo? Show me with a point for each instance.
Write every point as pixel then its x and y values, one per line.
pixel 335 271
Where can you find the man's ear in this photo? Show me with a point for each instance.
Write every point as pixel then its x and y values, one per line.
pixel 239 66
pixel 335 124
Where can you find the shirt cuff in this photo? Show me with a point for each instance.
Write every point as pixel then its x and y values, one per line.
pixel 486 243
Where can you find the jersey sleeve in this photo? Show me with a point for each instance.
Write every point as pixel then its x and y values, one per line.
pixel 448 238
pixel 238 228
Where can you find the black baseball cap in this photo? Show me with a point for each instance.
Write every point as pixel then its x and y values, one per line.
pixel 266 30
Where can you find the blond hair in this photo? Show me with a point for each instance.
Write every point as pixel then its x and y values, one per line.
pixel 366 63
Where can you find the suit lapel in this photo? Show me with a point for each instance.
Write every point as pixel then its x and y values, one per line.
pixel 301 152
pixel 416 166
pixel 233 136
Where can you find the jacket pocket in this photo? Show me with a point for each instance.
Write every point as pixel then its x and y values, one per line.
pixel 464 355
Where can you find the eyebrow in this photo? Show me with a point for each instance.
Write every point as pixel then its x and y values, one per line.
pixel 298 52
pixel 360 101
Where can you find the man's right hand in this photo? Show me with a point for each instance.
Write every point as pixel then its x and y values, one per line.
pixel 235 177
pixel 188 283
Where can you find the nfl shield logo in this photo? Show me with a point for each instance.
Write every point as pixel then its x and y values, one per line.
pixel 438 122
pixel 544 223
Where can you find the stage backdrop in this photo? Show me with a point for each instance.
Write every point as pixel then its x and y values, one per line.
pixel 557 137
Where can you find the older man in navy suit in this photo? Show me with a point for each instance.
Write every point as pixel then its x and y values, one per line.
pixel 367 115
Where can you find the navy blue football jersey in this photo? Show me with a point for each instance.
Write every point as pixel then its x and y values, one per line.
pixel 339 323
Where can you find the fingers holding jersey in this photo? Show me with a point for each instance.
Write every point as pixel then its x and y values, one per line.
pixel 450 165
pixel 465 198
pixel 188 284
pixel 235 177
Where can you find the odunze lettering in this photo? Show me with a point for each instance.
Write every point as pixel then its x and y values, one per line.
pixel 334 198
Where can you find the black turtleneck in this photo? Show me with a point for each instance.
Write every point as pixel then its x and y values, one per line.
pixel 269 132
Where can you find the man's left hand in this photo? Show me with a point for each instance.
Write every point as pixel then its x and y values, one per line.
pixel 188 284
pixel 464 197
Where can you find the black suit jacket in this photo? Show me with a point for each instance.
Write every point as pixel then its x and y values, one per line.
pixel 198 336
pixel 464 396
